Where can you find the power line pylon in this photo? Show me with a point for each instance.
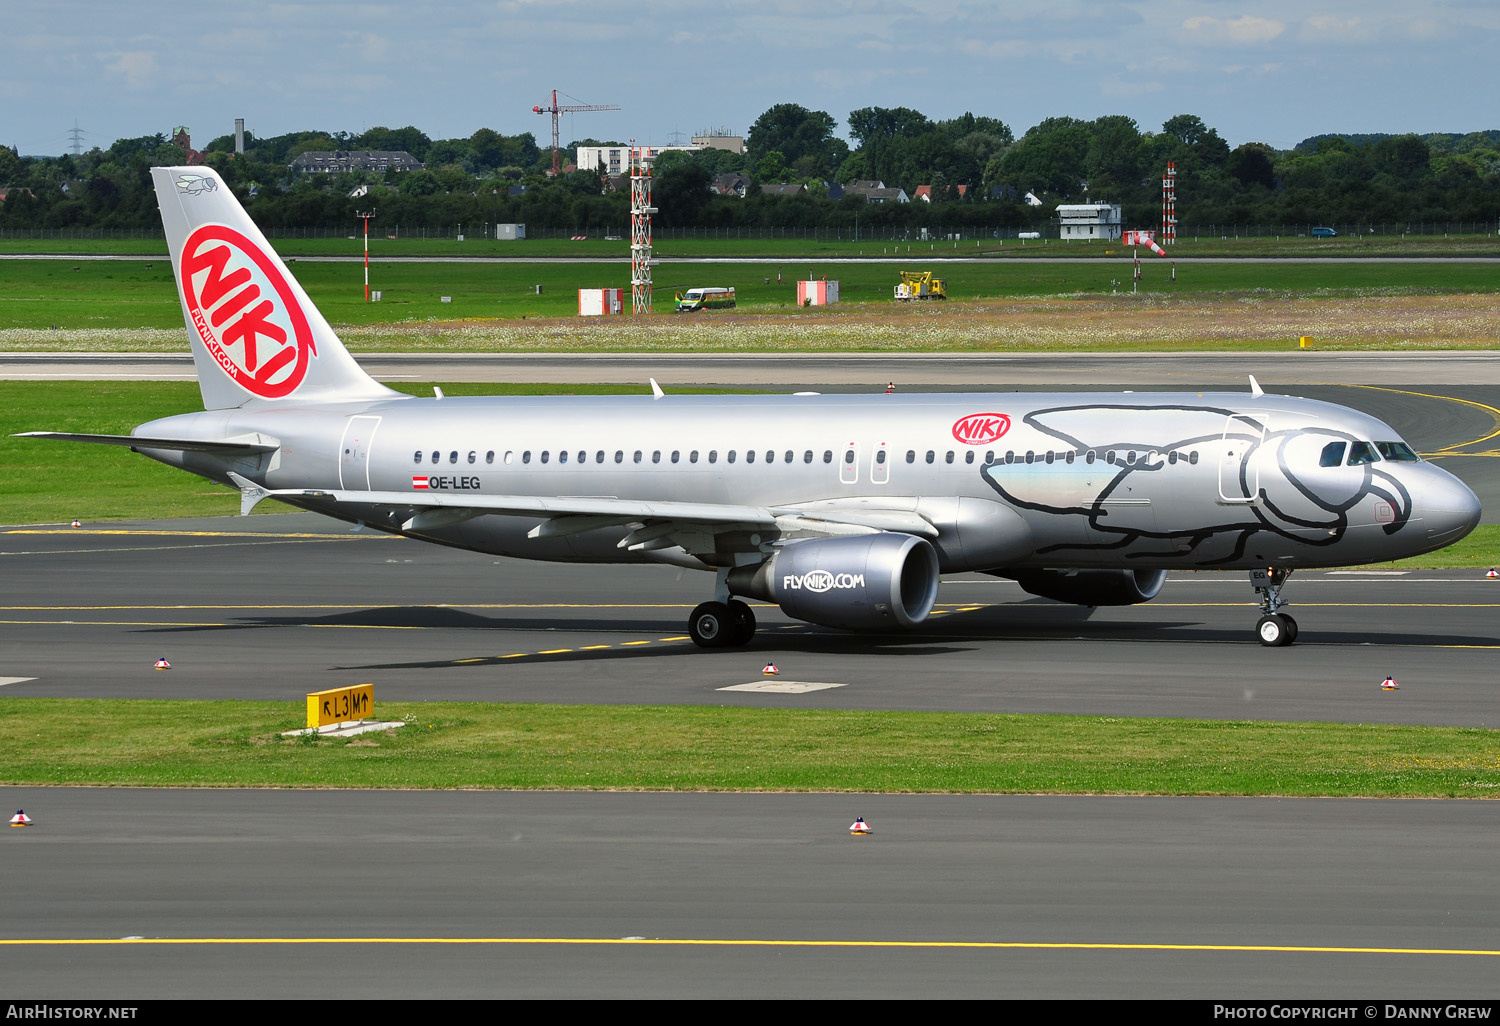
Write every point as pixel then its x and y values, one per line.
pixel 555 110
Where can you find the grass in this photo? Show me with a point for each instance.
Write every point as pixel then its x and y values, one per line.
pixel 531 746
pixel 43 295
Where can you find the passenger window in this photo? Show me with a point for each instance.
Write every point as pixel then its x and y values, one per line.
pixel 1193 456
pixel 1048 457
pixel 1030 456
pixel 749 455
pixel 1089 457
pixel 880 458
pixel 562 456
pixel 1070 457
pixel 931 456
pixel 526 456
pixel 638 456
pixel 510 457
pixel 949 457
pixel 1361 453
pixel 473 456
pixel 848 455
pixel 583 457
pixel 676 455
pixel 1172 457
pixel 489 457
pixel 1130 457
pixel 656 456
pixel 418 457
pixel 599 456
pixel 827 455
pixel 731 456
pixel 989 457
pixel 1398 452
pixel 693 456
pixel 619 455
pixel 1109 457
pixel 713 455
pixel 807 456
pixel 453 456
pixel 969 456
pixel 1333 454
pixel 436 456
pixel 911 455
pixel 789 455
pixel 1010 456
pixel 545 454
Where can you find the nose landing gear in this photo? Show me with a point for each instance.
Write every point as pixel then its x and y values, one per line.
pixel 1274 628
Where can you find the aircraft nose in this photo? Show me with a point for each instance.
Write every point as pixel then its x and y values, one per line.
pixel 1449 508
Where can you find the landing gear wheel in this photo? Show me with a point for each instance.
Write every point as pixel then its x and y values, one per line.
pixel 743 621
pixel 712 625
pixel 1275 630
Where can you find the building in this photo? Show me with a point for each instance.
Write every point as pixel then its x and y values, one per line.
pixel 789 189
pixel 723 141
pixel 729 185
pixel 612 161
pixel 332 162
pixel 1091 221
pixel 876 192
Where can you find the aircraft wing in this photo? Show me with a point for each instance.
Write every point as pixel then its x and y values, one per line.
pixel 249 444
pixel 654 523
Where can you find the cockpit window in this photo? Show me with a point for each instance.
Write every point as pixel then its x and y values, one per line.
pixel 1333 454
pixel 1361 453
pixel 1399 452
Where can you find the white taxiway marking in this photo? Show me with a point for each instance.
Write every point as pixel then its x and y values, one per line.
pixel 784 687
pixel 14 680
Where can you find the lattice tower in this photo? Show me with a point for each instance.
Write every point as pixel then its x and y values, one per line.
pixel 640 230
pixel 1169 204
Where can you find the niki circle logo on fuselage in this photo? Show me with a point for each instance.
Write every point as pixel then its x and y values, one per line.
pixel 245 311
pixel 980 428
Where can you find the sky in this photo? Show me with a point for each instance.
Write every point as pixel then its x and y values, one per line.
pixel 1276 71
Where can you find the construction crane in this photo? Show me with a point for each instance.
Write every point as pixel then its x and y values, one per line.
pixel 555 110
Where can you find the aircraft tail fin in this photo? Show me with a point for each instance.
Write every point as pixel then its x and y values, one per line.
pixel 254 332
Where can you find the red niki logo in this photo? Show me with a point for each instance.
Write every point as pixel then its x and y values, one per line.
pixel 245 312
pixel 980 428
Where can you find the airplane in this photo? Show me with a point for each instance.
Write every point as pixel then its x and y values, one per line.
pixel 844 510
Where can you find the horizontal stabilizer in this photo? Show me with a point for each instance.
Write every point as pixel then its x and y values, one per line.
pixel 248 445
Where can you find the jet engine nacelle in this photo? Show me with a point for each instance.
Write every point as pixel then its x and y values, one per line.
pixel 1093 587
pixel 864 582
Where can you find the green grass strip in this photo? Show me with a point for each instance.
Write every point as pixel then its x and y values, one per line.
pixel 706 748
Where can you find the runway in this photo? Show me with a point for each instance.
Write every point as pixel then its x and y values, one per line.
pixel 416 894
pixel 413 895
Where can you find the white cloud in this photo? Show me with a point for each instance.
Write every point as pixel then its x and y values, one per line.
pixel 137 67
pixel 1246 30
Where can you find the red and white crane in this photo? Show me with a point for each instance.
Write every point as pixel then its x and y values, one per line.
pixel 555 110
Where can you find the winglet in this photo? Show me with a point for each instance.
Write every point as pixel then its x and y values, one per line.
pixel 250 493
pixel 656 392
pixel 1255 389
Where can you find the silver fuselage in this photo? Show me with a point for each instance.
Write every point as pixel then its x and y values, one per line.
pixel 1086 480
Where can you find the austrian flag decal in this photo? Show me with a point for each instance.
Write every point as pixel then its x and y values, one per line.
pixel 419 483
pixel 980 428
pixel 245 311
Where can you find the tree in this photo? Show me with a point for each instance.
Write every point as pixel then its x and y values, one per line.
pixel 869 123
pixel 1252 164
pixel 794 131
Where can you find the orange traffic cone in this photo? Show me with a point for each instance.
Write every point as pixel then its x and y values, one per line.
pixel 859 826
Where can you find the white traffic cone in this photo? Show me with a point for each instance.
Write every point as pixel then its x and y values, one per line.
pixel 1493 573
pixel 1389 684
pixel 769 670
pixel 859 826
pixel 20 819
pixel 162 664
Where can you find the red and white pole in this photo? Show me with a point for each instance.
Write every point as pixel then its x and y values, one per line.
pixel 366 215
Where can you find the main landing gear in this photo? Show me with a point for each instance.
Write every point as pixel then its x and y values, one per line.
pixel 1274 628
pixel 721 624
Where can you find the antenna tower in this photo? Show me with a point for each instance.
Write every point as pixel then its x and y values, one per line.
pixel 640 230
pixel 76 134
pixel 1169 204
pixel 555 110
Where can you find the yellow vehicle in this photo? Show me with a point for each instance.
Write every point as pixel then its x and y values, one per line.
pixel 920 285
